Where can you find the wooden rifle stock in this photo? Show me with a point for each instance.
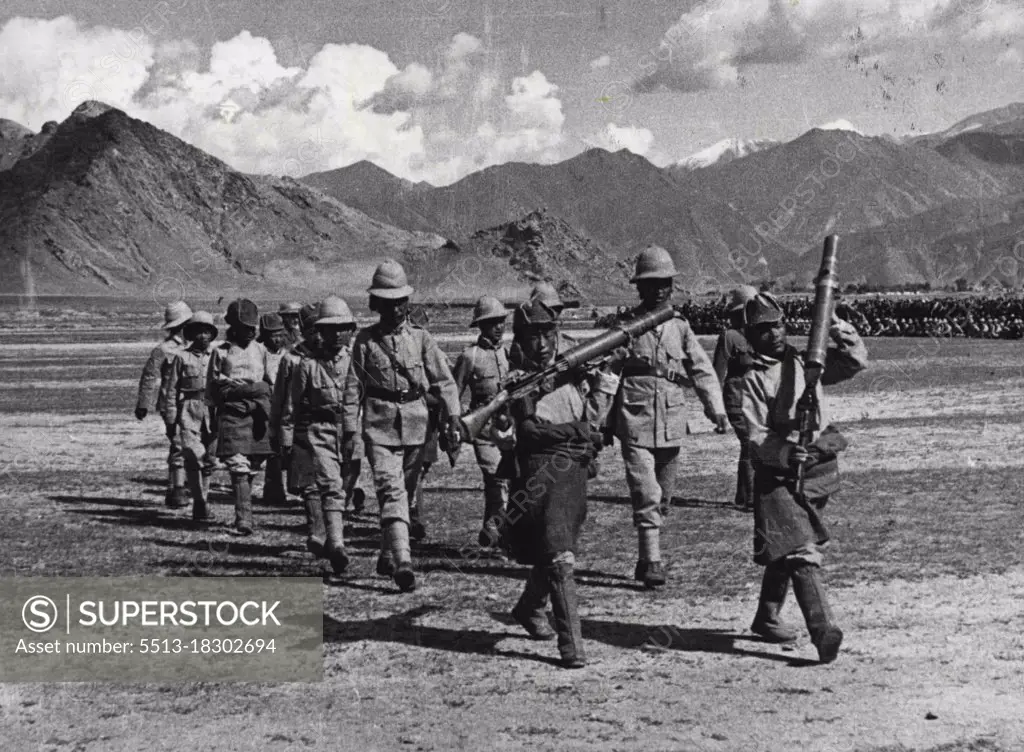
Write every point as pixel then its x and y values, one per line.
pixel 589 355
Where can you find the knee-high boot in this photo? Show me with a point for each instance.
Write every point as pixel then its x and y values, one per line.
pixel 200 491
pixel 177 496
pixel 774 586
pixel 316 531
pixel 242 488
pixel 495 497
pixel 529 610
pixel 273 483
pixel 810 594
pixel 334 550
pixel 396 534
pixel 565 606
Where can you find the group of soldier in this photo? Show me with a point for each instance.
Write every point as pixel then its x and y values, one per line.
pixel 304 393
pixel 975 316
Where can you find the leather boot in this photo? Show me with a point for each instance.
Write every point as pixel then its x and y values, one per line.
pixel 564 605
pixel 810 594
pixel 200 494
pixel 177 496
pixel 356 497
pixel 242 489
pixel 495 492
pixel 273 484
pixel 334 550
pixel 529 610
pixel 649 569
pixel 774 586
pixel 316 530
pixel 397 536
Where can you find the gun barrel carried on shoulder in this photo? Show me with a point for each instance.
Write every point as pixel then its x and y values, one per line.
pixel 826 284
pixel 582 357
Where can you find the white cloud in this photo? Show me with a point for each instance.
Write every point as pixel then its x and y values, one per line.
pixel 710 44
pixel 602 62
pixel 615 138
pixel 840 125
pixel 344 103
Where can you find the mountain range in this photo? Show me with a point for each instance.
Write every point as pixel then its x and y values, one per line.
pixel 103 202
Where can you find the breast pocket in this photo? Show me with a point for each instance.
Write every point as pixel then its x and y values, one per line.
pixel 193 379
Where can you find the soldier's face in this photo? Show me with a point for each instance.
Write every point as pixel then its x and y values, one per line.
pixel 768 339
pixel 492 330
pixel 243 335
pixel 291 321
pixel 539 344
pixel 335 336
pixel 393 312
pixel 201 337
pixel 277 340
pixel 654 292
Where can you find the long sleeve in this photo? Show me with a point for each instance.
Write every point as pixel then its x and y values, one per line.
pixel 769 447
pixel 705 381
pixel 169 390
pixel 848 358
pixel 439 374
pixel 720 361
pixel 214 378
pixel 149 382
pixel 295 390
pixel 277 404
pixel 352 397
pixel 461 374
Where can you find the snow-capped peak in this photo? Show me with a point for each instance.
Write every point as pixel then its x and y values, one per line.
pixel 724 151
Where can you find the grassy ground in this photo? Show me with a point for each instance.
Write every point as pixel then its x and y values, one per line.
pixel 924 570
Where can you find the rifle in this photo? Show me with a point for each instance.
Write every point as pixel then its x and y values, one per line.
pixel 826 284
pixel 587 356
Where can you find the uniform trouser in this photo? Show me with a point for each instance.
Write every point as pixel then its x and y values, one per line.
pixel 175 458
pixel 651 477
pixel 274 485
pixel 396 472
pixel 331 470
pixel 199 455
pixel 488 458
pixel 243 464
pixel 744 468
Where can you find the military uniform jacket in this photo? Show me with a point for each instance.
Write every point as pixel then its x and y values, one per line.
pixel 732 358
pixel 154 373
pixel 376 386
pixel 282 394
pixel 482 368
pixel 649 409
pixel 317 391
pixel 184 392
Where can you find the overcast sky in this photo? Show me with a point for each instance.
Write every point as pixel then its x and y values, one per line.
pixel 435 89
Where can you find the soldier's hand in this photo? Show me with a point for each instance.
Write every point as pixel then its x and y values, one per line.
pixel 453 432
pixel 840 327
pixel 140 413
pixel 721 423
pixel 797 456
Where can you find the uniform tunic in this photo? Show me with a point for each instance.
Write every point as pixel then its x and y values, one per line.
pixel 483 369
pixel 315 401
pixel 151 392
pixel 289 428
pixel 782 525
pixel 243 411
pixel 184 398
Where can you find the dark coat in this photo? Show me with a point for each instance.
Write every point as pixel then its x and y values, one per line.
pixel 548 499
pixel 244 421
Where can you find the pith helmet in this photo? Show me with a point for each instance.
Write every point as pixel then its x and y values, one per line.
pixel 654 263
pixel 334 310
pixel 176 314
pixel 533 313
pixel 739 296
pixel 763 308
pixel 546 293
pixel 271 322
pixel 203 318
pixel 488 308
pixel 290 308
pixel 390 282
pixel 308 315
pixel 242 312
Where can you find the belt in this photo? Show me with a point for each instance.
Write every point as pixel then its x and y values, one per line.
pixel 192 393
pixel 396 395
pixel 670 374
pixel 325 415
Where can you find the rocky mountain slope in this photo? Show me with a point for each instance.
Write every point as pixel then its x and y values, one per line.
pixel 107 203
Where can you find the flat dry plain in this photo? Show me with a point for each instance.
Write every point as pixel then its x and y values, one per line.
pixel 925 571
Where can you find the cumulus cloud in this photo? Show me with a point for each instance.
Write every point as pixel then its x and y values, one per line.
pixel 344 103
pixel 601 62
pixel 615 138
pixel 711 43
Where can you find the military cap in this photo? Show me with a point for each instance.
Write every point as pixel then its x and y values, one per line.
pixel 290 308
pixel 176 314
pixel 334 310
pixel 740 295
pixel 488 308
pixel 763 308
pixel 654 262
pixel 271 322
pixel 242 312
pixel 308 315
pixel 533 314
pixel 202 318
pixel 389 281
pixel 546 293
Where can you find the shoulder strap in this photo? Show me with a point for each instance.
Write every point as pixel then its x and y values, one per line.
pixel 398 366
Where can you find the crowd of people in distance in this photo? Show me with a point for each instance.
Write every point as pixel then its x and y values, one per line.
pixel 976 317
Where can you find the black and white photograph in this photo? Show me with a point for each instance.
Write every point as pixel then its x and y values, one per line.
pixel 440 375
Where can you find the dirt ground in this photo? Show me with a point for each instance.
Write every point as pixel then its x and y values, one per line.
pixel 926 574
